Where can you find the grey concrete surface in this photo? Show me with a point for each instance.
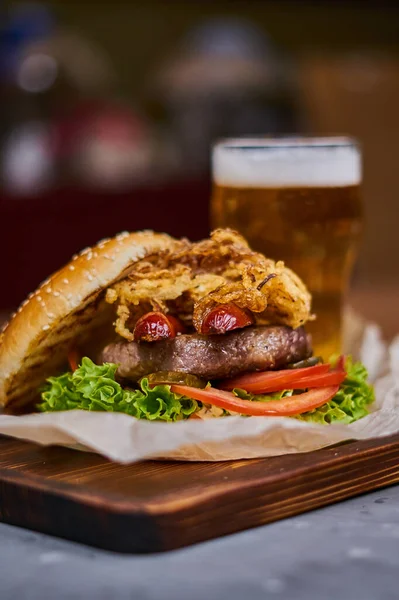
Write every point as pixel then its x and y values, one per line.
pixel 349 551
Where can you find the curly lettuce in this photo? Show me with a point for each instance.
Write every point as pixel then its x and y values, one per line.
pixel 93 387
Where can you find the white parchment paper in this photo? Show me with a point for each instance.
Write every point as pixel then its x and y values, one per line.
pixel 124 439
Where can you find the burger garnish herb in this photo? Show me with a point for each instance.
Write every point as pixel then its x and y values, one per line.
pixel 170 330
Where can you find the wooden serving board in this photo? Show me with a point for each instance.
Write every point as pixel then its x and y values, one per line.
pixel 155 506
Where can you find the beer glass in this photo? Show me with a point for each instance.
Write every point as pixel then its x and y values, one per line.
pixel 296 200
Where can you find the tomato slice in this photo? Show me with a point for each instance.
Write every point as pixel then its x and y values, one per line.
pixel 73 359
pixel 340 366
pixel 286 407
pixel 268 380
pixel 314 381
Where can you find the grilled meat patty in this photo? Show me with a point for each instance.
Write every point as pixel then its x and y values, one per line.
pixel 212 357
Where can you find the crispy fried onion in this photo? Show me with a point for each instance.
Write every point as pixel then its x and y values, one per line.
pixel 275 294
pixel 193 278
pixel 174 290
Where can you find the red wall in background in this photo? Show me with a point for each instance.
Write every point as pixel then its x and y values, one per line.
pixel 38 235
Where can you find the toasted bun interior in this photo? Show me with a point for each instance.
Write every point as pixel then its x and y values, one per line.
pixel 68 308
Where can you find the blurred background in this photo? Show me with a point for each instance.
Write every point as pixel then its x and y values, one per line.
pixel 108 111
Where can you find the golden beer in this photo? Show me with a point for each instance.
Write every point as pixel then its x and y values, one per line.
pixel 297 201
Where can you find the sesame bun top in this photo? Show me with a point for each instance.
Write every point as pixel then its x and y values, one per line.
pixel 66 308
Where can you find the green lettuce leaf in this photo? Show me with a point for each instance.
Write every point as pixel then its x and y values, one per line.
pixel 93 387
pixel 262 397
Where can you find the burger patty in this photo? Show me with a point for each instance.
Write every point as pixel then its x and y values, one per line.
pixel 212 357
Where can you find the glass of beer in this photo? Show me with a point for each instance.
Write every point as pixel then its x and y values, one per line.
pixel 296 200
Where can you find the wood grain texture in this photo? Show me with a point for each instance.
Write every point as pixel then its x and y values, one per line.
pixel 155 506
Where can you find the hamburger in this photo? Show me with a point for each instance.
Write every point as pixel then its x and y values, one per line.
pixel 166 329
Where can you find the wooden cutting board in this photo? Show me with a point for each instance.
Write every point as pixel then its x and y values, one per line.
pixel 155 506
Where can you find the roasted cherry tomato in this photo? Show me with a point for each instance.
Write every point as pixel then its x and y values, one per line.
pixel 176 324
pixel 156 326
pixel 224 318
pixel 286 407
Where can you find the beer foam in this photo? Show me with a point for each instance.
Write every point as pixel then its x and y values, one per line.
pixel 287 162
